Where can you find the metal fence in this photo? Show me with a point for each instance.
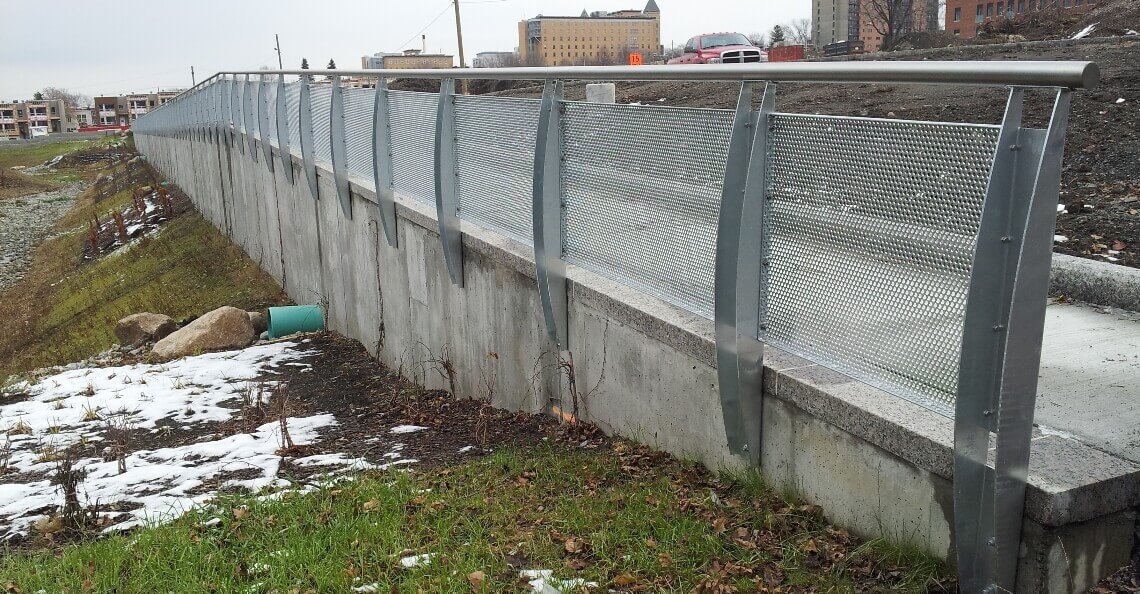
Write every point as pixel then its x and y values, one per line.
pixel 910 255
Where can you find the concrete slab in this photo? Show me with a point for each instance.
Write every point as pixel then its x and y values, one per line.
pixel 1090 378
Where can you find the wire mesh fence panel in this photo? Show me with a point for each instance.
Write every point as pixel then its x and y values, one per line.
pixel 495 162
pixel 870 235
pixel 321 101
pixel 359 113
pixel 270 118
pixel 642 189
pixel 293 104
pixel 413 143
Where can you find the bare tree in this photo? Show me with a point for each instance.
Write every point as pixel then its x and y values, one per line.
pixel 799 31
pixel 895 19
pixel 758 39
pixel 69 99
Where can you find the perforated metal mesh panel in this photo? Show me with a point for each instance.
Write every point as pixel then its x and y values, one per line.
pixel 270 120
pixel 495 162
pixel 293 103
pixel 321 101
pixel 359 112
pixel 870 235
pixel 642 190
pixel 413 143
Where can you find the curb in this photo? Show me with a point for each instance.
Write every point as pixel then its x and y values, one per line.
pixel 1099 283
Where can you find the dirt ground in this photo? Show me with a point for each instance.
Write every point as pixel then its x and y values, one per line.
pixel 1100 181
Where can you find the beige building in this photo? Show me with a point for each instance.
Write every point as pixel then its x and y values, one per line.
pixel 19 118
pixel 831 20
pixel 591 38
pixel 412 59
pixel 861 20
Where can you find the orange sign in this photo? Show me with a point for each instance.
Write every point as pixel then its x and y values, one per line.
pixel 635 59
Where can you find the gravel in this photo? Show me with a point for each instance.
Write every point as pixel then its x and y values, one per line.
pixel 24 223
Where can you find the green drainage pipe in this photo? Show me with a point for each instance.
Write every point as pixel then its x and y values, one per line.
pixel 283 321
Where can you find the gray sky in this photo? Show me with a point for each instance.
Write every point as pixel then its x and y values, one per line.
pixel 141 45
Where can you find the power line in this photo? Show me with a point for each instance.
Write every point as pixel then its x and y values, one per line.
pixel 418 33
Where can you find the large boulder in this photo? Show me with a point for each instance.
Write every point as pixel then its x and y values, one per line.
pixel 136 329
pixel 222 329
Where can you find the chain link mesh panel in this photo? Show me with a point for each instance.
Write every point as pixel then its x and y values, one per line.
pixel 495 162
pixel 321 102
pixel 293 104
pixel 870 232
pixel 413 143
pixel 642 190
pixel 359 113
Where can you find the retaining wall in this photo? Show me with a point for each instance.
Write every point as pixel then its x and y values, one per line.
pixel 644 369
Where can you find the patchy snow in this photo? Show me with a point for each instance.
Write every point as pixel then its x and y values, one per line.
pixel 465 449
pixel 1085 32
pixel 1061 209
pixel 416 560
pixel 79 406
pixel 368 588
pixel 1120 100
pixel 542 581
pixel 406 429
pixel 1060 239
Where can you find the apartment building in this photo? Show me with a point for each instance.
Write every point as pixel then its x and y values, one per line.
pixel 121 110
pixel 863 20
pixel 965 17
pixel 24 119
pixel 592 38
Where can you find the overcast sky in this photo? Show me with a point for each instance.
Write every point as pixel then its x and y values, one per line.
pixel 141 45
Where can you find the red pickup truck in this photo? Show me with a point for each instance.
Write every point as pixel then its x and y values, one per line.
pixel 720 48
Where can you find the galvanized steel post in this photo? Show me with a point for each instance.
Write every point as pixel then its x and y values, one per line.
pixel 339 148
pixel 547 215
pixel 248 117
pixel 737 287
pixel 446 200
pixel 283 149
pixel 382 161
pixel 263 122
pixel 305 127
pixel 1001 346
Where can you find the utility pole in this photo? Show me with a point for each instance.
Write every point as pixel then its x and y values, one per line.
pixel 459 35
pixel 280 66
pixel 193 82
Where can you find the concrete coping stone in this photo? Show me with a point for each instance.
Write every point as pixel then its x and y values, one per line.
pixel 1068 481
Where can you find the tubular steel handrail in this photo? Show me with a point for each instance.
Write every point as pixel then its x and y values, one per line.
pixel 1003 305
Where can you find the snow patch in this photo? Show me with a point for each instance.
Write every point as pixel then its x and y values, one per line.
pixel 406 429
pixel 542 581
pixel 1060 239
pixel 1083 33
pixel 416 560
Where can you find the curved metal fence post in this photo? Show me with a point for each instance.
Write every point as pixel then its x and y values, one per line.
pixel 446 203
pixel 305 127
pixel 283 130
pixel 547 215
pixel 337 143
pixel 737 286
pixel 263 120
pixel 236 135
pixel 382 161
pixel 249 121
pixel 1001 346
pixel 229 101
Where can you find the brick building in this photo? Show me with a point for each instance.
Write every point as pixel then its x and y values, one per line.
pixel 415 59
pixel 591 38
pixel 965 17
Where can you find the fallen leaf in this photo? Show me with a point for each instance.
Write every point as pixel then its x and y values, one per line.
pixel 11 588
pixel 574 545
pixel 477 578
pixel 720 524
pixel 371 504
pixel 625 579
pixel 240 513
pixel 1118 245
pixel 664 559
pixel 650 543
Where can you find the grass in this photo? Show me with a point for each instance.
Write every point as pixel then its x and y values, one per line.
pixel 623 518
pixel 66 307
pixel 27 155
pixel 14 184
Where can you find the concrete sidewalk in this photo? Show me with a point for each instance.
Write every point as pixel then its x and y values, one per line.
pixel 1090 377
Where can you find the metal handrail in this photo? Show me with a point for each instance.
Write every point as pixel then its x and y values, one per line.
pixel 1065 74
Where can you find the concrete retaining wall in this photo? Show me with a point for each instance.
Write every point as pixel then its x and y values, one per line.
pixel 644 369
